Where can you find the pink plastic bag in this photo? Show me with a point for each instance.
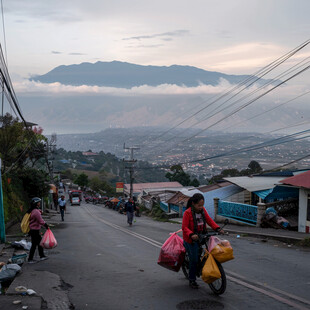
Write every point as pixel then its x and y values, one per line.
pixel 48 240
pixel 172 253
pixel 214 241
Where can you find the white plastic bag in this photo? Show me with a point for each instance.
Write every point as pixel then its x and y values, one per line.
pixel 8 272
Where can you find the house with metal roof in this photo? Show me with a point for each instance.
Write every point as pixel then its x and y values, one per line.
pixel 139 187
pixel 226 191
pixel 263 188
pixel 302 183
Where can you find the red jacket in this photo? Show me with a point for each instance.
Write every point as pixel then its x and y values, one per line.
pixel 188 224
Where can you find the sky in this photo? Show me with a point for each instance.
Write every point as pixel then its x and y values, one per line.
pixel 233 37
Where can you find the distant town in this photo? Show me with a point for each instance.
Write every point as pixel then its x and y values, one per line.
pixel 166 150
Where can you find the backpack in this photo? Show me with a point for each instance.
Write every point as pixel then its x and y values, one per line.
pixel 24 225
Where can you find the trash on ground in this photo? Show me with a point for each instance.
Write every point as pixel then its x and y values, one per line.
pixel 8 272
pixel 238 236
pixel 19 258
pixel 22 244
pixel 271 219
pixel 30 292
pixel 17 302
pixel 25 307
pixel 20 289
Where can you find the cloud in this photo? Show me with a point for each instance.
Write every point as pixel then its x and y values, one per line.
pixel 56 52
pixel 77 54
pixel 165 35
pixel 36 88
pixel 145 46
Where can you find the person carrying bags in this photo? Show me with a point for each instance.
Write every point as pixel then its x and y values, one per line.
pixel 35 223
pixel 195 220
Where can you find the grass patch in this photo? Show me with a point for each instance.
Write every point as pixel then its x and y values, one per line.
pixel 305 242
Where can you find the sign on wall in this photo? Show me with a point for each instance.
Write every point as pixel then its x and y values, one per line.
pixel 119 187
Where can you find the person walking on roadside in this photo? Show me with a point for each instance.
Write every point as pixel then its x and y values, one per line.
pixel 35 223
pixel 55 200
pixel 195 220
pixel 130 209
pixel 62 206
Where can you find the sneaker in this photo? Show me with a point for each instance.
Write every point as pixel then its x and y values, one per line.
pixel 193 284
pixel 31 261
pixel 43 258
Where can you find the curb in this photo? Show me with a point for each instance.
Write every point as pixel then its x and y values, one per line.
pixel 287 239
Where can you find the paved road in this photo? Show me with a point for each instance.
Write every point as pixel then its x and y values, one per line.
pixel 112 266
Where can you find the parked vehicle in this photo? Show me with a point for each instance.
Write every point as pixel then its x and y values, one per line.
pixel 75 193
pixel 75 201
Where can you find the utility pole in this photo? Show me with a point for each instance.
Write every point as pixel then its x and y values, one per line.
pixel 2 223
pixel 51 148
pixel 131 167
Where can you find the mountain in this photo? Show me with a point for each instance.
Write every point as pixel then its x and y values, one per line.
pixel 126 75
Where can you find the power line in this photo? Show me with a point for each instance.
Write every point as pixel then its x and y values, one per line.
pixel 269 143
pixel 246 83
pixel 4 38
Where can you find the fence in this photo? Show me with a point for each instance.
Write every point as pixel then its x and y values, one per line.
pixel 239 211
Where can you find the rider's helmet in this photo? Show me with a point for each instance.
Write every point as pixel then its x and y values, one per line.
pixel 34 201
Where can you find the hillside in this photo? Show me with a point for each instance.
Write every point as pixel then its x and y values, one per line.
pixel 113 167
pixel 126 75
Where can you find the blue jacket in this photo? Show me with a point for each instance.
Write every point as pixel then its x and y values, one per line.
pixel 130 207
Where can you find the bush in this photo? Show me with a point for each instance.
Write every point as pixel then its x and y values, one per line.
pixel 305 242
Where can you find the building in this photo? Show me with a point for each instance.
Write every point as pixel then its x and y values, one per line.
pixel 302 183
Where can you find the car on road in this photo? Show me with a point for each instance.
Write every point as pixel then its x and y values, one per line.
pixel 75 201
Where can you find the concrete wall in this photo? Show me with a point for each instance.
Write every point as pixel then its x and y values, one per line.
pixel 302 213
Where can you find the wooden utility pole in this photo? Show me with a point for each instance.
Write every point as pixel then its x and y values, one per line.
pixel 131 161
pixel 2 223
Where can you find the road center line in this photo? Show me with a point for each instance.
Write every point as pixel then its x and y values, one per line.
pixel 233 279
pixel 274 296
pixel 305 301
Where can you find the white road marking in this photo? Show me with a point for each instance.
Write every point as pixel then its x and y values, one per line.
pixel 243 283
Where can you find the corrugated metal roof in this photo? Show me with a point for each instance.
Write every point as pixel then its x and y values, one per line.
pixel 255 183
pixel 300 180
pixel 138 187
pixel 207 188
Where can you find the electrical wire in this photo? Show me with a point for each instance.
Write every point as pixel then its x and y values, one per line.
pixel 246 83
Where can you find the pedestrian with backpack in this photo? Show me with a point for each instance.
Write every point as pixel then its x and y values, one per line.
pixel 35 223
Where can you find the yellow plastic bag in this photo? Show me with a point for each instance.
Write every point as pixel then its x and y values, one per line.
pixel 210 271
pixel 24 225
pixel 222 253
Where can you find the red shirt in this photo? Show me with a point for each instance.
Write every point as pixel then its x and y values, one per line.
pixel 188 224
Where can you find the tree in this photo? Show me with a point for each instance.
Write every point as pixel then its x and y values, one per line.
pixel 178 175
pixel 19 146
pixel 195 183
pixel 82 179
pixel 255 167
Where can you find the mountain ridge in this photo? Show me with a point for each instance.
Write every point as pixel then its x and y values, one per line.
pixel 127 75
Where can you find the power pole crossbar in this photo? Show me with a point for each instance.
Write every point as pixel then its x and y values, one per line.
pixel 131 167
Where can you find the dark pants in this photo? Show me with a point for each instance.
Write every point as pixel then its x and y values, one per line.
pixel 35 240
pixel 129 217
pixel 193 253
pixel 62 212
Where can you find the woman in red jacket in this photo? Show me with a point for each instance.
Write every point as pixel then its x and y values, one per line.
pixel 195 220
